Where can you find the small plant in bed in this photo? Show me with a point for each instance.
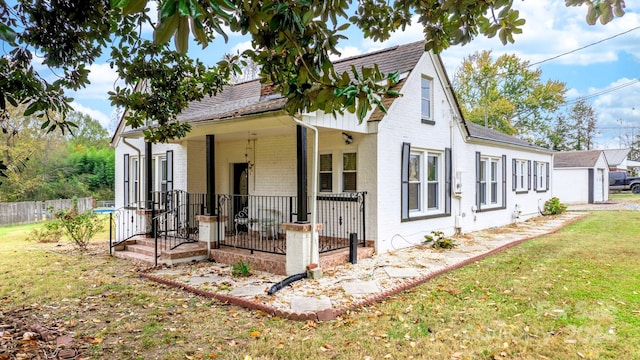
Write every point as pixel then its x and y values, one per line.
pixel 439 241
pixel 241 269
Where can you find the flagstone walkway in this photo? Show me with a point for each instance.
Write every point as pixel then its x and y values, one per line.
pixel 351 285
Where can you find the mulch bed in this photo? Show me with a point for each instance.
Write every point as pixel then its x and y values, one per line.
pixel 23 336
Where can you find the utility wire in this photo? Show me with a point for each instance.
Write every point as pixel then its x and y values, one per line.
pixel 584 47
pixel 602 92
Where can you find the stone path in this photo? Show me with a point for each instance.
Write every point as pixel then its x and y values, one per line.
pixel 349 285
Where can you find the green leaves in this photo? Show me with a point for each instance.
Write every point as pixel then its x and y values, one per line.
pixel 8 34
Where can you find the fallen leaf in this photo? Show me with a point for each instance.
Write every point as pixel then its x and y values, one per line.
pixel 254 333
pixel 97 340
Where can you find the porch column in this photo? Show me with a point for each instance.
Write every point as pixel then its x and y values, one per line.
pixel 148 175
pixel 211 175
pixel 149 209
pixel 301 156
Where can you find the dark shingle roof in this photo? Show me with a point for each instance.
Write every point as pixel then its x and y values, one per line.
pixel 483 133
pixel 568 159
pixel 245 99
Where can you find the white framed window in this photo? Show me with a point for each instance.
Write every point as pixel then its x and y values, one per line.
pixel 326 173
pixel 521 175
pixel 349 172
pixel 426 93
pixel 489 177
pixel 541 176
pixel 135 170
pixel 426 189
pixel 345 176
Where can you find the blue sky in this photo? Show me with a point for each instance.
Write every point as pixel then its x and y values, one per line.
pixel 551 29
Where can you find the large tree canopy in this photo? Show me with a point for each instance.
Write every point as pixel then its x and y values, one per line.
pixel 291 39
pixel 506 94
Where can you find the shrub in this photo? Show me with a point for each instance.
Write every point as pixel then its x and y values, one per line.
pixel 439 241
pixel 554 207
pixel 79 227
pixel 241 268
pixel 50 232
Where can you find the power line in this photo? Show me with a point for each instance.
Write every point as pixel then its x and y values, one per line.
pixel 602 92
pixel 584 47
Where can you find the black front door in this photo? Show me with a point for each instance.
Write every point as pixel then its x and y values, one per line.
pixel 240 191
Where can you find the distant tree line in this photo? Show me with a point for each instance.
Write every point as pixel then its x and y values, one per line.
pixel 43 165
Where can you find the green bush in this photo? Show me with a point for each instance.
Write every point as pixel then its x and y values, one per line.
pixel 50 232
pixel 554 207
pixel 439 241
pixel 79 227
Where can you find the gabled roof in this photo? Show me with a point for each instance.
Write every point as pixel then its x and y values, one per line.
pixel 483 133
pixel 616 156
pixel 246 98
pixel 571 159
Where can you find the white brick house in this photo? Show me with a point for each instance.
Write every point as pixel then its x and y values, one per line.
pixel 423 168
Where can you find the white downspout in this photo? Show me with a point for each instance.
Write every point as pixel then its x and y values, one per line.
pixel 314 255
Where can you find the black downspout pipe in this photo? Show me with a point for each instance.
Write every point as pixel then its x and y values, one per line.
pixel 211 175
pixel 301 157
pixel 149 177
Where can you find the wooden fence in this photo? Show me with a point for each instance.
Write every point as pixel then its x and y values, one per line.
pixel 32 211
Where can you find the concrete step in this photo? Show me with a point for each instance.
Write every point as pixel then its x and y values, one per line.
pixel 133 256
pixel 142 249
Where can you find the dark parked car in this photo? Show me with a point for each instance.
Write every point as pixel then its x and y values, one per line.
pixel 619 180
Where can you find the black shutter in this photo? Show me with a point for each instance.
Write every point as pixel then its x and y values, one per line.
pixel 548 187
pixel 478 180
pixel 406 155
pixel 535 175
pixel 126 180
pixel 514 176
pixel 504 181
pixel 528 174
pixel 447 175
pixel 169 171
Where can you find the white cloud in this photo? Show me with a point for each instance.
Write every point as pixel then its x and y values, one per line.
pixel 95 114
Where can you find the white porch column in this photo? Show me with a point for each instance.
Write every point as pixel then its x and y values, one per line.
pixel 208 229
pixel 299 247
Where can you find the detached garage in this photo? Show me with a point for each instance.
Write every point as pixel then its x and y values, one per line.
pixel 581 177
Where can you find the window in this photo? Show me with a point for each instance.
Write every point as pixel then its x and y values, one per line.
pixel 490 172
pixel 426 95
pixel 326 173
pixel 425 183
pixel 349 172
pixel 415 191
pixel 521 177
pixel 541 176
pixel 126 180
pixel 136 180
pixel 431 179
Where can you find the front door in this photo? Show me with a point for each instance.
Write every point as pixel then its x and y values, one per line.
pixel 240 190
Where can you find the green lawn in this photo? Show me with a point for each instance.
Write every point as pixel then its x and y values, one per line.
pixel 570 295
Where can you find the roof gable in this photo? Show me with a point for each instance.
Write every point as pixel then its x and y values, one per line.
pixel 569 159
pixel 616 156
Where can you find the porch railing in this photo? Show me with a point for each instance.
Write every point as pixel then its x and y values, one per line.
pixel 126 223
pixel 174 219
pixel 253 222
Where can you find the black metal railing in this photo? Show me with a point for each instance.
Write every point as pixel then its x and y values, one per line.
pixel 341 215
pixel 126 223
pixel 178 223
pixel 253 222
pixel 173 220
